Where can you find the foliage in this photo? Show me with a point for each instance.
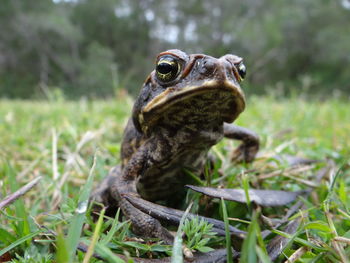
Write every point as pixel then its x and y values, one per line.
pixel 92 48
pixel 198 234
pixel 57 140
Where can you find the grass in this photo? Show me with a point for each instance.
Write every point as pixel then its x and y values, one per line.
pixel 58 140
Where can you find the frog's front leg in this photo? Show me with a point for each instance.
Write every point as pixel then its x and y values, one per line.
pixel 249 147
pixel 125 185
pixel 102 195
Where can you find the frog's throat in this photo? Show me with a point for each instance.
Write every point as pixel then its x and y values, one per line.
pixel 170 97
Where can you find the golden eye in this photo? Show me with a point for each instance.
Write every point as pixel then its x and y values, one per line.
pixel 242 70
pixel 167 68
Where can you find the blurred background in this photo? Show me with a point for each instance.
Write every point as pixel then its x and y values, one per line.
pixel 95 48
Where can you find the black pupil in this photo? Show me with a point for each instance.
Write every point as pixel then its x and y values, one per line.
pixel 165 68
pixel 242 71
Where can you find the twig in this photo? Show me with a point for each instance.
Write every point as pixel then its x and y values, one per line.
pixel 14 196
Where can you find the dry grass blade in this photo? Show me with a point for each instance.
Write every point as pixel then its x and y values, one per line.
pixel 56 196
pixel 296 255
pixel 73 161
pixel 294 170
pixel 302 181
pixel 340 251
pixel 342 240
pixel 278 243
pixel 31 166
pixel 55 173
pixel 20 192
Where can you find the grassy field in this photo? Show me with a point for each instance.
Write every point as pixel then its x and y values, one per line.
pixel 57 140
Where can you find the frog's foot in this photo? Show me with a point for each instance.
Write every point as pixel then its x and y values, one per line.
pixel 244 153
pixel 173 216
pixel 249 147
pixel 147 226
pixel 143 224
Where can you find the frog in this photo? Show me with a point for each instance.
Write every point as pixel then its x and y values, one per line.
pixel 186 105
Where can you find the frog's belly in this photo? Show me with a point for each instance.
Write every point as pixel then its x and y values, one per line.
pixel 163 181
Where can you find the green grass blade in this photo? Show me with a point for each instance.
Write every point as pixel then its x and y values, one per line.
pixel 177 255
pixel 227 232
pixel 95 236
pixel 6 236
pixel 261 248
pixel 114 228
pixel 264 258
pixel 62 255
pixel 21 212
pixel 19 241
pixel 193 178
pixel 107 254
pixel 245 185
pixel 248 253
pixel 299 240
pixel 76 224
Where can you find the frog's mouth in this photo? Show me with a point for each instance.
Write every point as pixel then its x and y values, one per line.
pixel 222 101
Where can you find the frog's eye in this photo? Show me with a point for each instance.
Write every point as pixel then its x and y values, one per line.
pixel 167 69
pixel 242 70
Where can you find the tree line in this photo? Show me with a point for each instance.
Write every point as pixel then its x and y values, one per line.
pixel 93 48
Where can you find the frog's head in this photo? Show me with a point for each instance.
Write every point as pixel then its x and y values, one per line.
pixel 188 89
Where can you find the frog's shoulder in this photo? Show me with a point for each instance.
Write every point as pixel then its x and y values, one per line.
pixel 132 139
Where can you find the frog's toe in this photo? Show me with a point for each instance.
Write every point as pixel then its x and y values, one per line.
pixel 143 224
pixel 188 254
pixel 147 226
pixel 244 153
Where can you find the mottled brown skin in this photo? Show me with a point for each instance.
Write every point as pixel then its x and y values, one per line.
pixel 174 124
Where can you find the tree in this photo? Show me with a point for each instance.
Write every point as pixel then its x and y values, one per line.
pixel 80 46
